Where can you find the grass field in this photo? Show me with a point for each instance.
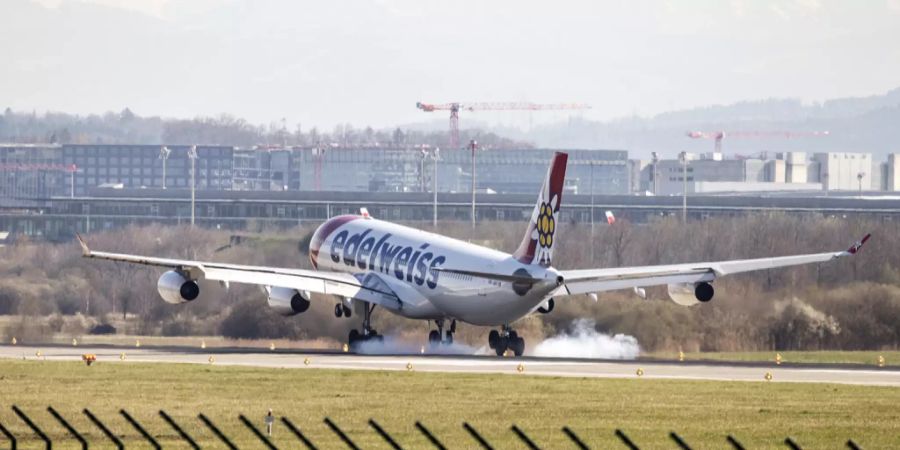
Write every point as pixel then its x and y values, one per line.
pixel 891 357
pixel 759 414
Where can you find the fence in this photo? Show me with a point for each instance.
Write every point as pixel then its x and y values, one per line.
pixel 565 433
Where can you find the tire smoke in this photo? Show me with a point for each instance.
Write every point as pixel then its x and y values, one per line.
pixel 584 341
pixel 394 346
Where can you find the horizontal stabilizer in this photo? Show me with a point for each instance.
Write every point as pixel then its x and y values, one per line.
pixel 491 276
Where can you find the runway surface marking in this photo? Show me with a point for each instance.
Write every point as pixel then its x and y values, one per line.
pixel 468 364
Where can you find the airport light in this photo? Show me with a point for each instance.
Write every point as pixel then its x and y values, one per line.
pixel 192 155
pixel 473 145
pixel 683 156
pixel 435 157
pixel 592 212
pixel 72 169
pixel 164 156
pixel 859 178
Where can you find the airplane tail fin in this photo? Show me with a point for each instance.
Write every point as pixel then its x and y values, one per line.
pixel 540 236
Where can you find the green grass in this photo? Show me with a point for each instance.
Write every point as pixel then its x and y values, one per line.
pixel 892 357
pixel 759 414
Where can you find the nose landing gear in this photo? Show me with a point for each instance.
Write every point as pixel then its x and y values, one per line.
pixel 506 339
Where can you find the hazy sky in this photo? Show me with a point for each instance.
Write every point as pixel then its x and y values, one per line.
pixel 368 62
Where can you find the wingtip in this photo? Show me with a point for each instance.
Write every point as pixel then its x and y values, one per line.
pixel 858 245
pixel 85 251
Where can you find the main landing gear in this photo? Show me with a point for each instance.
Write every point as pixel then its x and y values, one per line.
pixel 506 339
pixel 441 336
pixel 368 333
pixel 342 310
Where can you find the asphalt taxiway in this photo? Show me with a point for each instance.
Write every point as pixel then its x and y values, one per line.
pixel 561 367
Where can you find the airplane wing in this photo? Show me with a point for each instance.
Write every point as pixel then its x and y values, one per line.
pixel 597 280
pixel 322 282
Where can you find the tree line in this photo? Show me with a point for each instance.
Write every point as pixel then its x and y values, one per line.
pixel 126 127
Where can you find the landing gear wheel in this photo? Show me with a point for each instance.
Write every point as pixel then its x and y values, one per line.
pixel 347 311
pixel 434 338
pixel 354 336
pixel 517 345
pixel 449 340
pixel 493 339
pixel 502 345
pixel 338 310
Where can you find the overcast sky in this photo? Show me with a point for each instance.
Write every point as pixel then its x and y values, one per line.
pixel 368 62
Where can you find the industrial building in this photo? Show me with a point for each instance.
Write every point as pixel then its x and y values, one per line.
pixel 142 166
pixel 33 170
pixel 53 191
pixel 891 172
pixel 46 171
pixel 847 171
pixel 789 171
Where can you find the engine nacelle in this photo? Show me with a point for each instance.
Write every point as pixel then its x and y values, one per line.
pixel 175 288
pixel 546 307
pixel 688 294
pixel 287 301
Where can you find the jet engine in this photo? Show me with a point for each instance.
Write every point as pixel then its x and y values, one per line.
pixel 688 294
pixel 175 288
pixel 286 301
pixel 546 307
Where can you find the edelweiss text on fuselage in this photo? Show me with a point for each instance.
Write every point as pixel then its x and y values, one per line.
pixel 374 253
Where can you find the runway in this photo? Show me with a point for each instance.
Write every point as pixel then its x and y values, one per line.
pixel 299 359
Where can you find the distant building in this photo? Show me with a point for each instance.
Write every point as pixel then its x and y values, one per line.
pixel 381 169
pixel 136 166
pixel 892 173
pixel 847 171
pixel 789 171
pixel 32 171
pixel 42 171
pixel 640 176
pixel 711 174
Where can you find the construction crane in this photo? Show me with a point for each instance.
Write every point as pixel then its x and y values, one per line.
pixel 454 109
pixel 719 136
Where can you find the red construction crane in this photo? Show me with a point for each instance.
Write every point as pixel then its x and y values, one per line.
pixel 719 136
pixel 454 109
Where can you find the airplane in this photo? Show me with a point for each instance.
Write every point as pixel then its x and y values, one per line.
pixel 366 262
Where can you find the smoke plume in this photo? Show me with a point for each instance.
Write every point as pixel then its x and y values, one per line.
pixel 583 341
pixel 394 346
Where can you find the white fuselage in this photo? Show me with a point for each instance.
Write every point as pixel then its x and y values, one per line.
pixel 406 260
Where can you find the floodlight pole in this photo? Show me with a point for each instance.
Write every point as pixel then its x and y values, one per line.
pixel 473 146
pixel 192 155
pixel 684 187
pixel 72 169
pixel 592 212
pixel 435 157
pixel 164 156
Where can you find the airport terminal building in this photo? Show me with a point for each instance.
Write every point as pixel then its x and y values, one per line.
pixel 44 171
pixel 53 191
